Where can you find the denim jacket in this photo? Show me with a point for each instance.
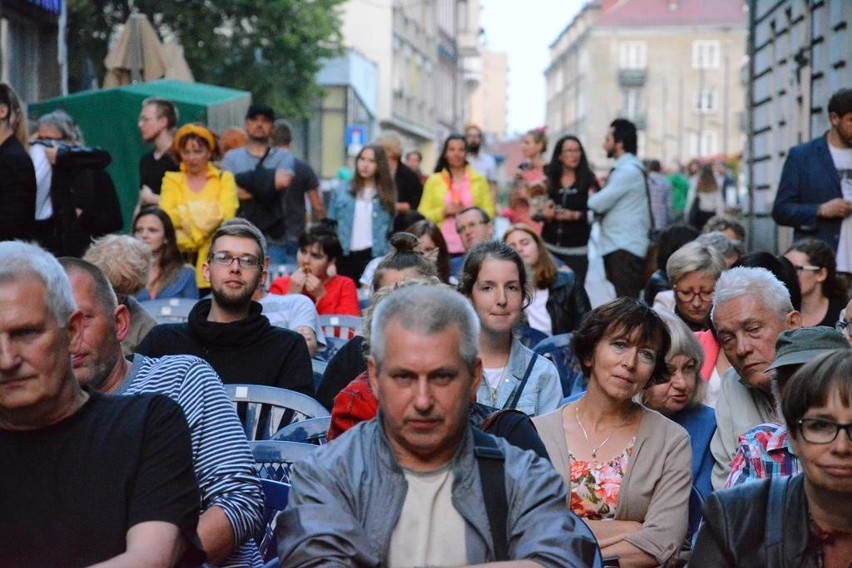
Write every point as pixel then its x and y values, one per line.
pixel 342 209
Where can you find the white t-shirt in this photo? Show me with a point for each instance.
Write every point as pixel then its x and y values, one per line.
pixel 842 158
pixel 430 531
pixel 362 221
pixel 537 315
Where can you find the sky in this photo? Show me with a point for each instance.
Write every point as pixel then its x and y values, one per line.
pixel 524 29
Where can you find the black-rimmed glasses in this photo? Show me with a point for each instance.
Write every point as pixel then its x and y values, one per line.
pixel 820 431
pixel 226 259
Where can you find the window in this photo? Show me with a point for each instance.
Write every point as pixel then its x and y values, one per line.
pixel 705 101
pixel 705 144
pixel 632 55
pixel 631 103
pixel 705 54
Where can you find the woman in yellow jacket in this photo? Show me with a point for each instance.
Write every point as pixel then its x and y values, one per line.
pixel 454 187
pixel 199 197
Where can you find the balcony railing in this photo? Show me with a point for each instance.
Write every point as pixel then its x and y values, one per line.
pixel 631 77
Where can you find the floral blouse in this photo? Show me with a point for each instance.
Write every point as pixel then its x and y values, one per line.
pixel 595 485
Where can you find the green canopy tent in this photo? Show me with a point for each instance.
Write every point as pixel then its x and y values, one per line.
pixel 108 120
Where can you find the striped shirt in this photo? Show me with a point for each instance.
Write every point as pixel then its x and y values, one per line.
pixel 763 452
pixel 224 465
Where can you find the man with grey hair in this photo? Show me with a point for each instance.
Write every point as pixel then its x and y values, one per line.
pixel 228 330
pixel 750 309
pixel 416 485
pixel 86 478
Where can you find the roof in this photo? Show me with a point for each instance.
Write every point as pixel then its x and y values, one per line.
pixel 662 13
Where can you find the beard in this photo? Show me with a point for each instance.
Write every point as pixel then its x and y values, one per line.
pixel 610 153
pixel 473 147
pixel 234 300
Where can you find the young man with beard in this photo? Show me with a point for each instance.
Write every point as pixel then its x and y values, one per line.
pixel 228 330
pixel 480 161
pixel 157 122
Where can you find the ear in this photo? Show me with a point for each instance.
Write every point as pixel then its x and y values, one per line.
pixel 476 379
pixel 373 373
pixel 4 112
pixel 794 320
pixel 205 272
pixel 122 322
pixel 75 331
pixel 821 275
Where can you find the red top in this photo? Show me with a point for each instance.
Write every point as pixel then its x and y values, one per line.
pixel 353 405
pixel 341 297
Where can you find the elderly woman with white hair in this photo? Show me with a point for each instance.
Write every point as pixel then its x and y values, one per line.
pixel 680 398
pixel 125 261
pixel 693 270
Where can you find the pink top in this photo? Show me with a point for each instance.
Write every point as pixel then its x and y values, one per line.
pixel 711 351
pixel 595 485
pixel 457 193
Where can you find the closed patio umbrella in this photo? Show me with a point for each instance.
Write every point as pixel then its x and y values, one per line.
pixel 137 55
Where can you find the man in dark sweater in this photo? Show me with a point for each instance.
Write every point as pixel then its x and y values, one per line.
pixel 228 330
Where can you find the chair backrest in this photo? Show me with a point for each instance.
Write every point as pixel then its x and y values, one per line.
pixel 318 367
pixel 274 459
pixel 311 431
pixel 344 327
pixel 170 310
pixel 264 410
pixel 560 350
pixel 275 497
pixel 332 346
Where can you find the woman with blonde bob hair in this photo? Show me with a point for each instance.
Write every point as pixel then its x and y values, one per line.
pixel 558 301
pixel 680 398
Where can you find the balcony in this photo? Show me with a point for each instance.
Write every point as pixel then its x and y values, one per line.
pixel 631 77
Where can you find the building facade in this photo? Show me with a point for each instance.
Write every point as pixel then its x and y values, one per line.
pixel 488 105
pixel 802 54
pixel 31 53
pixel 675 68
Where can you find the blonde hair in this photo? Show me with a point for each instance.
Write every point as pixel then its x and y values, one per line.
pixel 124 260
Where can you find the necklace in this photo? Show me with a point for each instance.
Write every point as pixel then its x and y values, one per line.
pixel 586 436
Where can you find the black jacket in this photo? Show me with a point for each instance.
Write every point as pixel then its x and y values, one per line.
pixel 567 303
pixel 251 351
pixel 742 528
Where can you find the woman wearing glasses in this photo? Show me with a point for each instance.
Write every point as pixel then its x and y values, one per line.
pixel 823 297
pixel 431 244
pixel 198 198
pixel 628 468
pixel 803 520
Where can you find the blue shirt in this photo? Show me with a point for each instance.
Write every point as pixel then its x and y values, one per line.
pixel 622 207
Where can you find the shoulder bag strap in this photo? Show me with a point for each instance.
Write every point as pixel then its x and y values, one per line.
pixel 775 520
pixel 490 460
pixel 648 198
pixel 516 394
pixel 262 158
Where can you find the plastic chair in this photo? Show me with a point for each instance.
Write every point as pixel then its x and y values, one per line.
pixel 318 367
pixel 275 497
pixel 560 350
pixel 332 346
pixel 344 327
pixel 264 410
pixel 311 431
pixel 170 310
pixel 274 459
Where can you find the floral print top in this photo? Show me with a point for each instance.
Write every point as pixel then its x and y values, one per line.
pixel 595 485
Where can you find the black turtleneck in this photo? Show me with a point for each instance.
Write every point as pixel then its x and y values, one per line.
pixel 250 351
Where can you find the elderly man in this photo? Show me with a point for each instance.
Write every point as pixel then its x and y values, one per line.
pixel 750 309
pixel 231 498
pixel 416 485
pixel 86 478
pixel 229 331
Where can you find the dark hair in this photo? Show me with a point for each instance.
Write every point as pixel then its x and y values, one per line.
pixel 415 153
pixel 544 272
pixel 486 218
pixel 170 261
pixel 402 221
pixel 490 250
pixel 385 187
pixel 820 254
pixel 426 227
pixel 780 267
pixel 623 317
pixel 325 237
pixel 840 102
pixel 811 386
pixel 585 177
pixel 165 109
pixel 441 165
pixel 282 135
pixel 722 223
pixel 672 239
pixel 653 165
pixel 624 131
pixel 403 257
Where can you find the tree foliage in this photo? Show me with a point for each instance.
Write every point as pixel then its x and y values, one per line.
pixel 272 48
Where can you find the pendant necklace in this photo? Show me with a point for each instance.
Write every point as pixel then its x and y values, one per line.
pixel 586 436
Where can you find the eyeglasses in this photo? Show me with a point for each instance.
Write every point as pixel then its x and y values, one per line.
pixel 226 259
pixel 689 295
pixel 461 229
pixel 819 431
pixel 809 267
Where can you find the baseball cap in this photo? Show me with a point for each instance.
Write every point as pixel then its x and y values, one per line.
pixel 798 346
pixel 262 110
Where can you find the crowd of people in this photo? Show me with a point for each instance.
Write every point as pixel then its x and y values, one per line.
pixel 458 434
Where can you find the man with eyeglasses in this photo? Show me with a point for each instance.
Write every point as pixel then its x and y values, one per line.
pixel 228 330
pixel 765 450
pixel 474 226
pixel 751 308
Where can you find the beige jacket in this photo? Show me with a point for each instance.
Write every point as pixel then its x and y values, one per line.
pixel 655 489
